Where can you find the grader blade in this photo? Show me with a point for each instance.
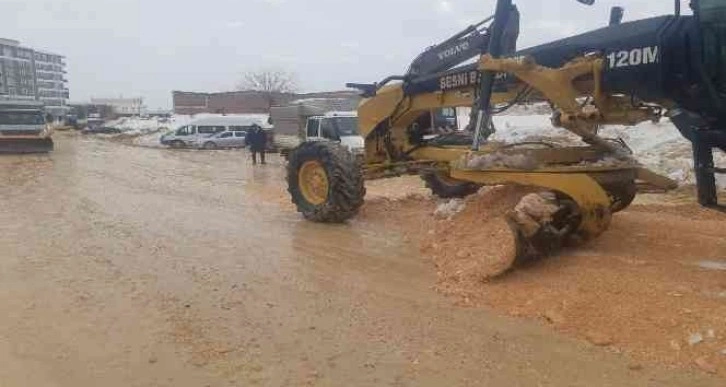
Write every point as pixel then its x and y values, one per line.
pixel 561 208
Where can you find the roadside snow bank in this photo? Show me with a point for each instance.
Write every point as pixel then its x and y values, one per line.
pixel 659 147
pixel 137 126
pixel 179 120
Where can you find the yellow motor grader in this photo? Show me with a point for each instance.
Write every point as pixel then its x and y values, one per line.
pixel 625 73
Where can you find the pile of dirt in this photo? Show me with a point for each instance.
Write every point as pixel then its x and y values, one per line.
pixel 476 244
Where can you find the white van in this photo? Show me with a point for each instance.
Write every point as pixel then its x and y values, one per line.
pixel 196 133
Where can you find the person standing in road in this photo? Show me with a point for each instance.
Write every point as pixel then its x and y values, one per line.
pixel 257 140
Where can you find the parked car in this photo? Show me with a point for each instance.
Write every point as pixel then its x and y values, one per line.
pixel 101 129
pixel 196 134
pixel 95 125
pixel 225 140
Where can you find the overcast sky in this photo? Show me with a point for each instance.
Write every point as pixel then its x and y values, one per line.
pixel 149 48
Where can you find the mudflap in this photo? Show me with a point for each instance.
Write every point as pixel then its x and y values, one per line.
pixel 23 146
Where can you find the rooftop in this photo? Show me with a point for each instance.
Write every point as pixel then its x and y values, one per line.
pixel 16 43
pixel 9 42
pixel 48 53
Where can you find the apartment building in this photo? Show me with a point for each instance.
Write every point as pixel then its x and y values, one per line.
pixel 28 74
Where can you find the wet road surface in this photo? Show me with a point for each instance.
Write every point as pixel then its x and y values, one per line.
pixel 126 266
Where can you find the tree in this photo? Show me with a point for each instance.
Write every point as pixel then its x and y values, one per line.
pixel 270 83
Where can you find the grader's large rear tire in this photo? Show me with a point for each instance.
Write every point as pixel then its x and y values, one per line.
pixel 445 187
pixel 325 182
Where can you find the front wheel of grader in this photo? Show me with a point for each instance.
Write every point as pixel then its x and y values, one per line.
pixel 325 182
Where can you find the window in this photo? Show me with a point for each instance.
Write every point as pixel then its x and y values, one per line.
pixel 185 131
pixel 346 126
pixel 313 126
pixel 240 134
pixel 239 128
pixel 448 112
pixel 226 135
pixel 210 129
pixel 445 119
pixel 327 129
pixel 22 118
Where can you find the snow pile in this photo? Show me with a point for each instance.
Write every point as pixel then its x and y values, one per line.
pixel 658 146
pixel 515 128
pixel 330 104
pixel 137 126
pixel 496 160
pixel 529 109
pixel 608 162
pixel 179 120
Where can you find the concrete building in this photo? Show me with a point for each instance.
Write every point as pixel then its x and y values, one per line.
pixel 248 102
pixel 29 74
pixel 122 106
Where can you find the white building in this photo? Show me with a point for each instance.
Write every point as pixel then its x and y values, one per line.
pixel 122 106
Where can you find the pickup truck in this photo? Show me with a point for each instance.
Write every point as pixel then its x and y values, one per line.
pixel 296 124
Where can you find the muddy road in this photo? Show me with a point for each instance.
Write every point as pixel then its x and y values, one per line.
pixel 125 266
